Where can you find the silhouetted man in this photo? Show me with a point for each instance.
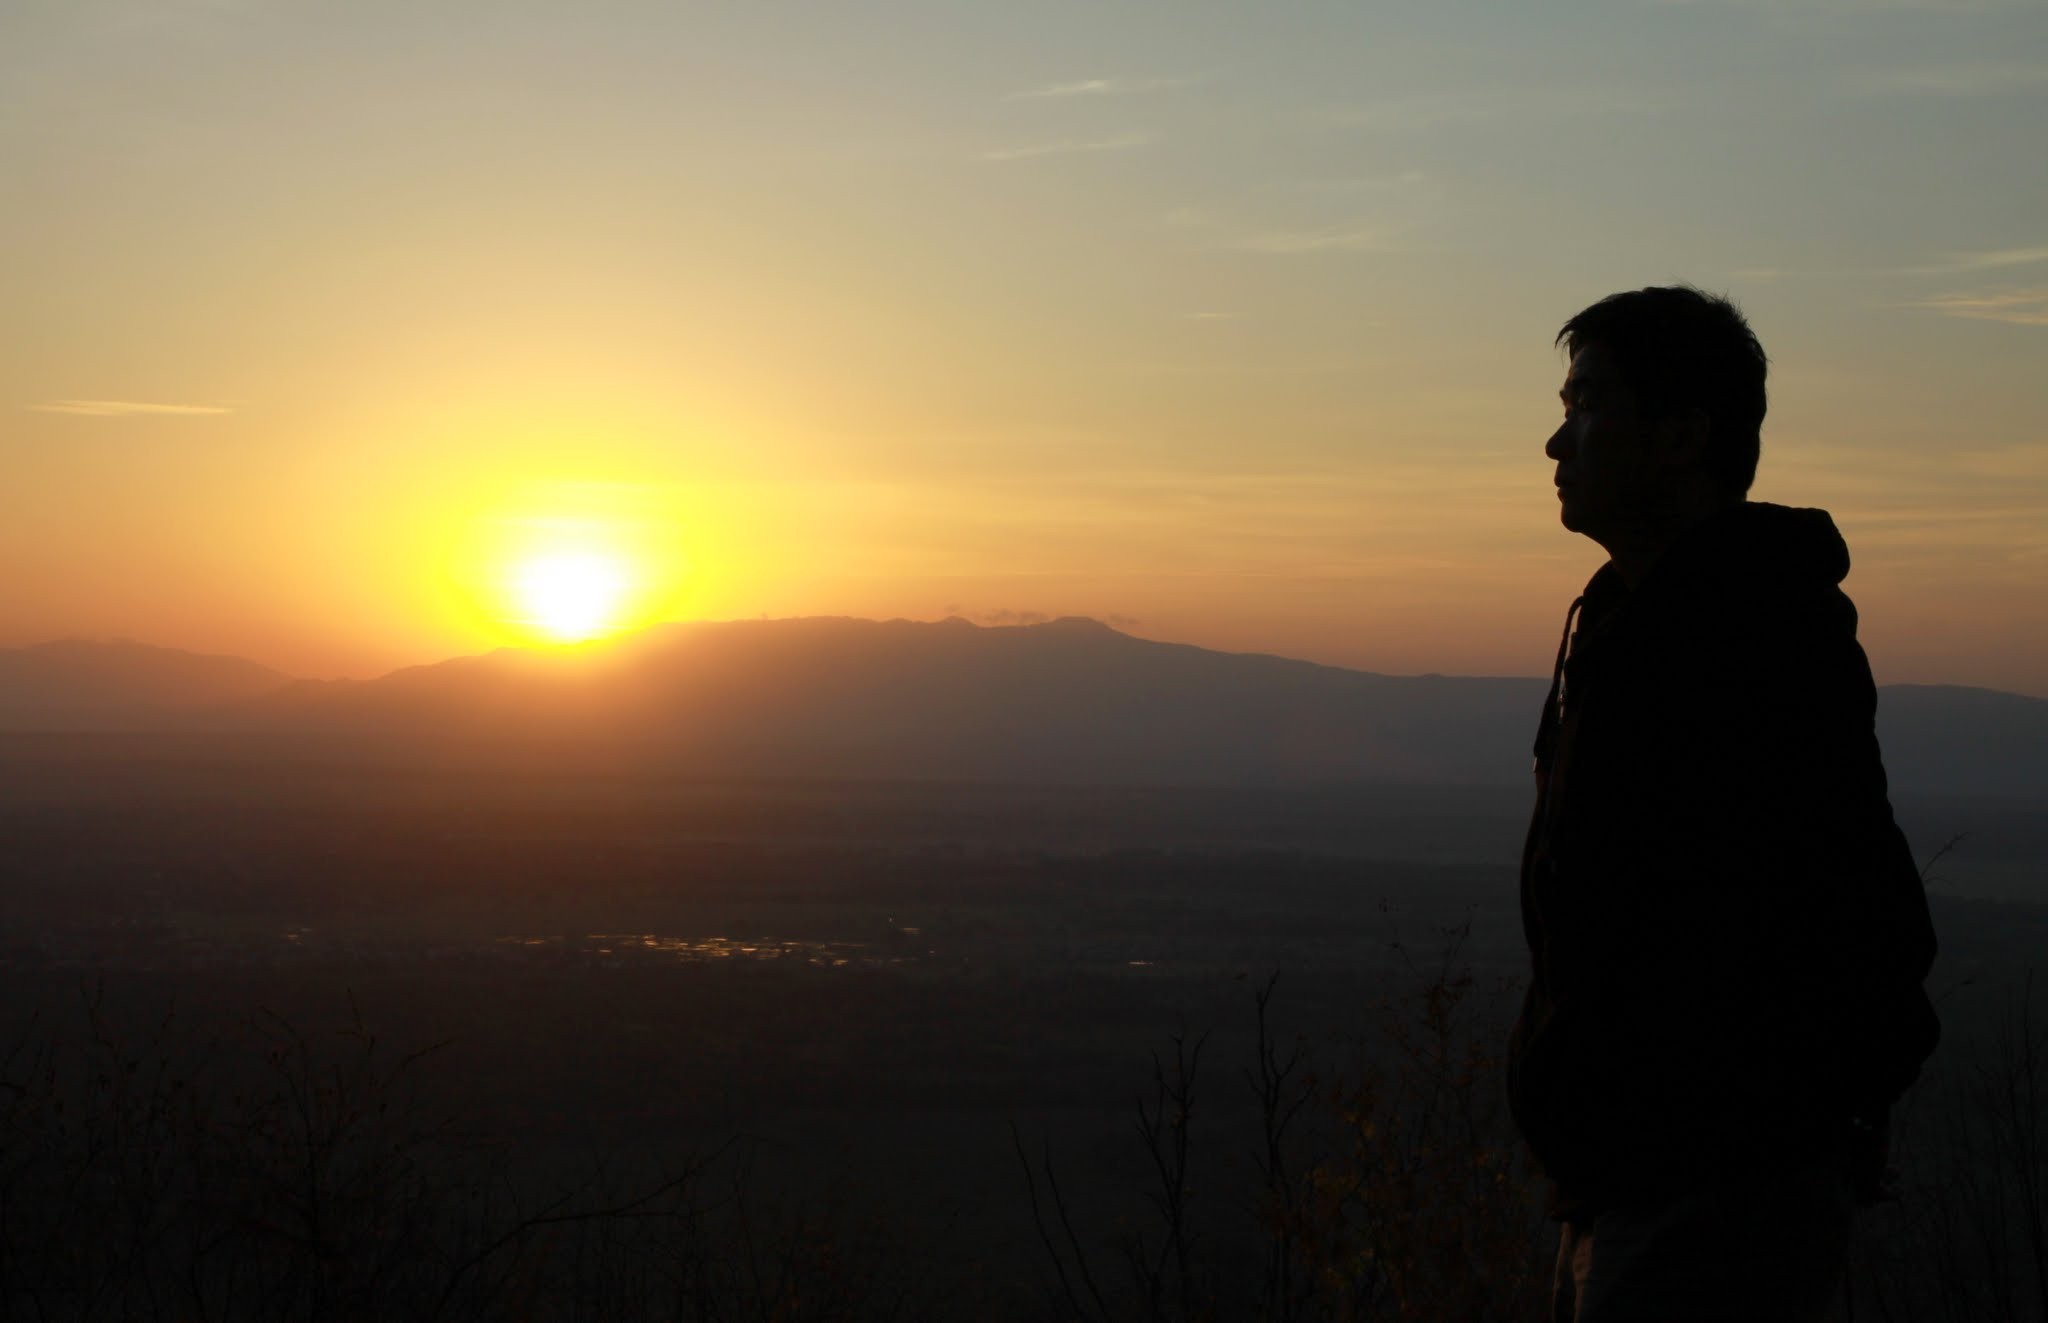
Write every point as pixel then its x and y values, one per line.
pixel 1727 930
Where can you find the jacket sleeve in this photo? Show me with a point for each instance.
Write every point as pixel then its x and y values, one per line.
pixel 1851 942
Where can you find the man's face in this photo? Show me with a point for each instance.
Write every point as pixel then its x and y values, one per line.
pixel 1608 477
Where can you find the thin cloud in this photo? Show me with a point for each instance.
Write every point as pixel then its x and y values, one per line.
pixel 1088 87
pixel 1404 180
pixel 2019 307
pixel 1123 142
pixel 1991 78
pixel 1991 259
pixel 1334 239
pixel 126 409
pixel 1783 9
pixel 1487 105
pixel 1407 113
pixel 1948 264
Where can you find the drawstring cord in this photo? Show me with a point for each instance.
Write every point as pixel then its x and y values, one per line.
pixel 1546 732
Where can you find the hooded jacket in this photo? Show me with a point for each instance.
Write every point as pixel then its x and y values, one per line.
pixel 1727 931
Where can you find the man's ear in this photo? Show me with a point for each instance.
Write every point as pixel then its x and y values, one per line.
pixel 1683 438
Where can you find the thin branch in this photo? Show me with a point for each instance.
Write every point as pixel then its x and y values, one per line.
pixel 1059 1263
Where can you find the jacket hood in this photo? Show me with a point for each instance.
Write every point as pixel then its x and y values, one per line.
pixel 1765 556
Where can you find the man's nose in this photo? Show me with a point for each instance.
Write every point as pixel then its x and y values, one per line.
pixel 1559 444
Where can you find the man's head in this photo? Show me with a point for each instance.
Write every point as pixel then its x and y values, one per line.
pixel 1664 403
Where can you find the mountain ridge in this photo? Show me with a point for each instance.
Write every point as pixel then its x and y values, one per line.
pixel 1072 700
pixel 109 679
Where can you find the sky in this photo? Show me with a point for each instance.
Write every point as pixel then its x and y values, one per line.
pixel 1226 323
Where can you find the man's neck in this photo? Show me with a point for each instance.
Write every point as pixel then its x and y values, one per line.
pixel 1634 553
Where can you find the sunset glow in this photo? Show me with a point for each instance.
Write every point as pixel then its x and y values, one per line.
pixel 1236 330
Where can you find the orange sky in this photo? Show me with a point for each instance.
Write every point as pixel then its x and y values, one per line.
pixel 1235 333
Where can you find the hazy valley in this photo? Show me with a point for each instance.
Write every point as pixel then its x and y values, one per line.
pixel 865 895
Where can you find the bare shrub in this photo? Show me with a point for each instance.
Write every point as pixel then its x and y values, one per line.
pixel 1967 1239
pixel 268 1173
pixel 1396 1193
pixel 1429 1211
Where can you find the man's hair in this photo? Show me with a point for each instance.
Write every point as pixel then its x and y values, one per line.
pixel 1680 348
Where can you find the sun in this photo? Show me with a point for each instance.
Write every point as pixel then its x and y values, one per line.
pixel 561 564
pixel 571 596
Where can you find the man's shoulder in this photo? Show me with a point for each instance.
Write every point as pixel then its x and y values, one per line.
pixel 1755 574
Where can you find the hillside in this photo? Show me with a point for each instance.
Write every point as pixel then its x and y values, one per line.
pixel 1068 702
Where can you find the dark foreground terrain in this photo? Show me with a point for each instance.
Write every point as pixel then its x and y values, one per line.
pixel 708 1049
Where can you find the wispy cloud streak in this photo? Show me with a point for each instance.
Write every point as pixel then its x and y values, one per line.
pixel 2020 307
pixel 1335 239
pixel 1994 78
pixel 1121 143
pixel 1088 87
pixel 1948 264
pixel 1491 104
pixel 126 409
pixel 1991 259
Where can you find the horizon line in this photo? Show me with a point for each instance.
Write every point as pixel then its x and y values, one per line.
pixel 953 619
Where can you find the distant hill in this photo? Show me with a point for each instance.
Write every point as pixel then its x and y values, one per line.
pixel 1068 702
pixel 76 684
pixel 1965 741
